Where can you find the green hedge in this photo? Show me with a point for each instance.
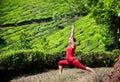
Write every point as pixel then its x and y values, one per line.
pixel 98 59
pixel 52 60
pixel 21 60
pixel 26 61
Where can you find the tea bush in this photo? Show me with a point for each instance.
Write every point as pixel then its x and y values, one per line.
pixel 98 59
pixel 24 61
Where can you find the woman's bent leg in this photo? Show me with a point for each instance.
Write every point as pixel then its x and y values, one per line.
pixel 62 63
pixel 60 69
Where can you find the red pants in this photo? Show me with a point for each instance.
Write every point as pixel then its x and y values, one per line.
pixel 73 62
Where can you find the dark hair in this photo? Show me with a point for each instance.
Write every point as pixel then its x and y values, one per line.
pixel 74 39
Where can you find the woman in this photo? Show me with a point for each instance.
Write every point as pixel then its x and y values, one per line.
pixel 70 58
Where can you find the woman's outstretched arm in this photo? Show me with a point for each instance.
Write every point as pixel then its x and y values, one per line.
pixel 72 36
pixel 72 32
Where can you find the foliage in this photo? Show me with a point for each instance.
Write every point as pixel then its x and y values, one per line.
pixel 53 58
pixel 44 45
pixel 107 12
pixel 23 42
pixel 2 42
pixel 22 60
pixel 18 11
pixel 92 3
pixel 90 35
pixel 56 16
pixel 99 59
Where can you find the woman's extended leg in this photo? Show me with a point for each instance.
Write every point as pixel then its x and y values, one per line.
pixel 76 63
pixel 62 63
pixel 90 70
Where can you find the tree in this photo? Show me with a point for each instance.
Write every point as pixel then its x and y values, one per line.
pixel 107 12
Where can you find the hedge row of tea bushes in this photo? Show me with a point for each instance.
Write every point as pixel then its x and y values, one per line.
pixel 90 36
pixel 16 11
pixel 31 33
pixel 20 10
pixel 26 61
pixel 98 59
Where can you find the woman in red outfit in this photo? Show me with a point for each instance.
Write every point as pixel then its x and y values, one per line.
pixel 70 58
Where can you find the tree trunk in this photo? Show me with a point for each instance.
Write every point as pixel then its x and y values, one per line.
pixel 114 75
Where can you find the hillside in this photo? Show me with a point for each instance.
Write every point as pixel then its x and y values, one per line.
pixel 20 10
pixel 43 27
pixel 89 35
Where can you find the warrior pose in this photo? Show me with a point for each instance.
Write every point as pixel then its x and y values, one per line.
pixel 70 58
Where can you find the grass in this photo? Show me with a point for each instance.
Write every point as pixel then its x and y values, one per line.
pixel 69 75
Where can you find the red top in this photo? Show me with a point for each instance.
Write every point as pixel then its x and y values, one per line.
pixel 70 52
